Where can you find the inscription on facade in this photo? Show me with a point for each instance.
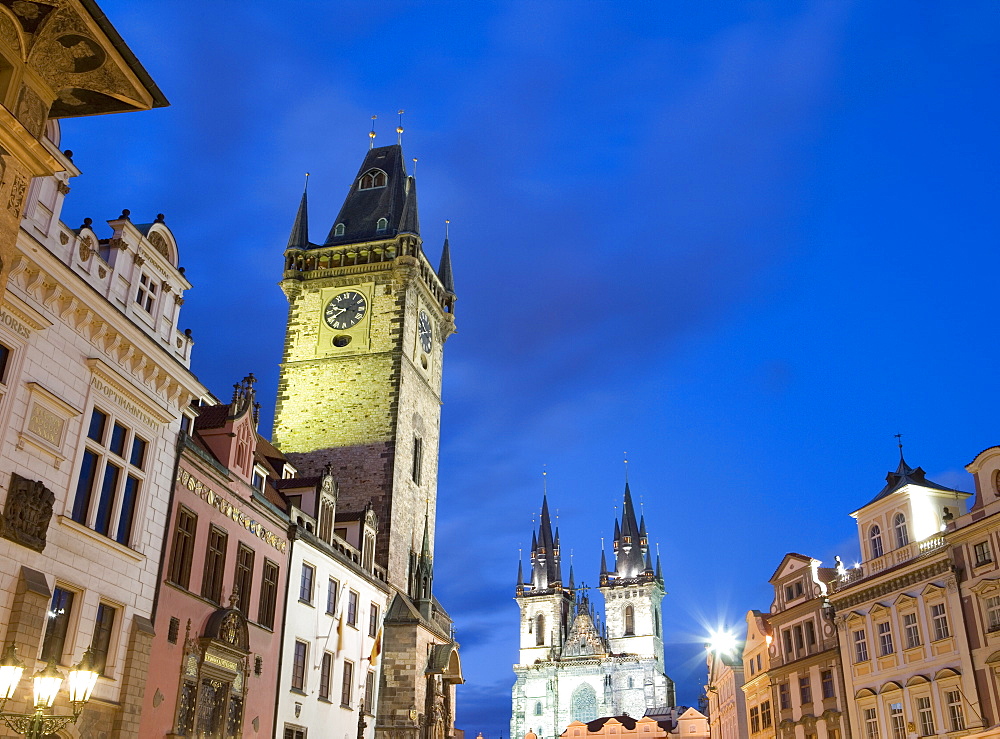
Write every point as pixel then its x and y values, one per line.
pixel 112 394
pixel 203 491
pixel 14 325
pixel 46 425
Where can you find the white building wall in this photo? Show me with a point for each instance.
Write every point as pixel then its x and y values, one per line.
pixel 309 621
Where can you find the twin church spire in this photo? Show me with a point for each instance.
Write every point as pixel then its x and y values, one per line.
pixel 380 204
pixel 633 558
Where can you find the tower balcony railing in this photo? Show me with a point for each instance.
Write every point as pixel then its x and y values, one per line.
pixel 901 555
pixel 324 261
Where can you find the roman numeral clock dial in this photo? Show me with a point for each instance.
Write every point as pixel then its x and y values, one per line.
pixel 425 332
pixel 345 310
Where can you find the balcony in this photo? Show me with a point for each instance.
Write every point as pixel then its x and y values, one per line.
pixel 910 552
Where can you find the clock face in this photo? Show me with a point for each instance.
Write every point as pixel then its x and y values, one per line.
pixel 424 331
pixel 345 310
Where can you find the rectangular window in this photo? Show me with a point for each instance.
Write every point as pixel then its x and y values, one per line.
pixel 983 554
pixel 299 666
pixel 112 471
pixel 373 621
pixel 826 678
pixel 805 691
pixel 145 294
pixel 4 363
pixel 352 608
pixel 993 613
pixel 293 732
pixel 784 697
pixel 244 577
pixel 810 635
pixel 418 458
pixel 896 722
pixel 324 676
pixel 884 638
pixel 369 693
pixel 786 638
pixel 331 596
pixel 911 630
pixel 101 642
pixel 306 583
pixel 765 715
pixel 345 686
pixel 940 620
pixel 215 564
pixel 182 550
pixel 799 644
pixel 860 646
pixel 268 594
pixel 56 624
pixel 956 716
pixel 926 715
pixel 754 720
pixel 871 724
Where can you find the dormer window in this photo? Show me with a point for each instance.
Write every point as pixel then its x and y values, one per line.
pixel 382 225
pixel 338 230
pixel 145 295
pixel 371 179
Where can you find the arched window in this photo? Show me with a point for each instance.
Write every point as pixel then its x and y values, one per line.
pixel 631 683
pixel 583 704
pixel 539 630
pixel 899 524
pixel 656 621
pixel 371 179
pixel 629 621
pixel 338 230
pixel 538 708
pixel 875 538
pixel 382 225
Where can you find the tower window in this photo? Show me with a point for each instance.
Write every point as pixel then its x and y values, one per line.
pixel 338 230
pixel 371 179
pixel 540 630
pixel 875 538
pixel 382 225
pixel 418 458
pixel 899 524
pixel 629 621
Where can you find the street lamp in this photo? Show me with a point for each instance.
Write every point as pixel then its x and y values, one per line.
pixel 35 725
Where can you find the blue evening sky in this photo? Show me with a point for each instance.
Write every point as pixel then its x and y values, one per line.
pixel 745 242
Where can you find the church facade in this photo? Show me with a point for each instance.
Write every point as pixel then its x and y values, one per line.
pixel 573 666
pixel 359 398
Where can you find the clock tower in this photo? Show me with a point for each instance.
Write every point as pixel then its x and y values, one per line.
pixel 360 379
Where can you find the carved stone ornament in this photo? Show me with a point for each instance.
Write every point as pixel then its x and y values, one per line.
pixel 17 194
pixel 31 111
pixel 159 243
pixel 27 512
pixel 85 249
pixel 64 238
pixel 62 187
pixel 102 272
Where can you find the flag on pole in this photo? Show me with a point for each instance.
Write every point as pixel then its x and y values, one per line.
pixel 376 647
pixel 340 633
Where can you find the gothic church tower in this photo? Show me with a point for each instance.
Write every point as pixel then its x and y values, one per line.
pixel 359 394
pixel 360 381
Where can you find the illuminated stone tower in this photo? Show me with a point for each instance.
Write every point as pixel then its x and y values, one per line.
pixel 360 382
pixel 359 394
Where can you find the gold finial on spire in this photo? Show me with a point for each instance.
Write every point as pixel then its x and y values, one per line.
pixel 371 134
pixel 446 224
pixel 626 467
pixel 306 186
pixel 545 485
pixel 414 166
pixel 399 128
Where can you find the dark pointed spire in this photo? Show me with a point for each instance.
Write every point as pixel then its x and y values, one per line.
pixel 299 238
pixel 425 568
pixel 410 222
pixel 520 576
pixel 379 200
pixel 659 570
pixel 604 565
pixel 572 585
pixel 649 565
pixel 546 570
pixel 444 269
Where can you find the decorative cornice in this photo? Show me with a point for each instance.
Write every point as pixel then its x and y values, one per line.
pixel 890 585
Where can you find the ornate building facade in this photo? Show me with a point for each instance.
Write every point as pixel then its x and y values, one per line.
pixel 359 395
pixel 94 382
pixel 568 668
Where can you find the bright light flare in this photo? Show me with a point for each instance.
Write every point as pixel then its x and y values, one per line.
pixel 721 642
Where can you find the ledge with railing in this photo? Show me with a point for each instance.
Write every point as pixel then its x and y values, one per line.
pixel 899 556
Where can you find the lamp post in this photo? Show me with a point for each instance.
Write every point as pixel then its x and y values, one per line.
pixel 39 723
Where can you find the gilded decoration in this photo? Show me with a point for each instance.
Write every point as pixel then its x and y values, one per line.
pixel 17 190
pixel 10 35
pixel 27 512
pixel 159 243
pixel 86 248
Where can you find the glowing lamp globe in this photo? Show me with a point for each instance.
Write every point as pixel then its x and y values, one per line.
pixel 47 684
pixel 82 679
pixel 11 669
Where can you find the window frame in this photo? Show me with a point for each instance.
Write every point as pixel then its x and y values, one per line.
pixel 347 684
pixel 243 580
pixel 214 570
pixel 939 621
pixel 59 629
pixel 885 643
pixel 325 676
pixel 805 690
pixel 875 541
pixel 109 485
pixel 102 640
pixel 268 600
pixel 983 553
pixel 925 715
pixel 900 530
pixel 332 596
pixel 352 608
pixel 911 630
pixel 307 582
pixel 870 718
pixel 828 688
pixel 897 723
pixel 861 646
pixel 182 547
pixel 956 712
pixel 300 656
pixel 373 620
